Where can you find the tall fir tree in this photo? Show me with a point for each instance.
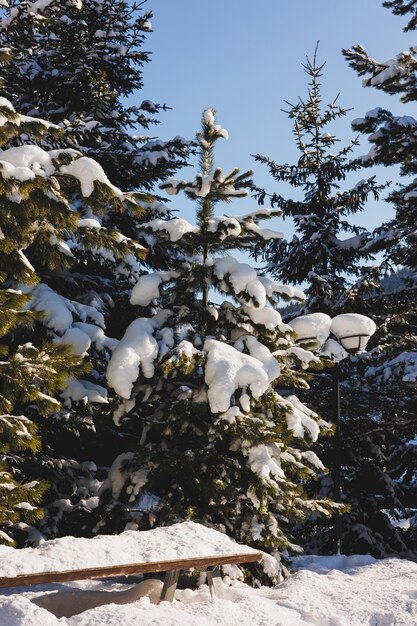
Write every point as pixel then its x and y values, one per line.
pixel 317 255
pixel 196 375
pixel 74 64
pixel 339 282
pixel 393 369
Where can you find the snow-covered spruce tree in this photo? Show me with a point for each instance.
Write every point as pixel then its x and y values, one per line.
pixel 321 212
pixel 57 263
pixel 197 381
pixel 74 64
pixel 392 370
pixel 318 256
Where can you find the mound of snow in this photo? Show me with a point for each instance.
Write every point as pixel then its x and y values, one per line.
pixel 326 591
pixel 179 541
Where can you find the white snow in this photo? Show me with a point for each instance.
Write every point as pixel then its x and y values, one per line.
pixel 268 317
pixel 78 340
pixel 56 309
pixel 301 419
pixel 227 226
pixel 97 336
pixel 147 287
pixel 176 228
pixel 313 325
pixel 179 541
pixel 88 171
pixel 264 460
pixel 391 69
pixel 324 591
pixel 83 391
pixel 137 348
pixel 244 280
pixel 89 222
pixel 227 370
pixel 264 233
pixel 272 287
pixel 25 162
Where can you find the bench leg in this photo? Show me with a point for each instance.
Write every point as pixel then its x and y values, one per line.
pixel 170 585
pixel 214 579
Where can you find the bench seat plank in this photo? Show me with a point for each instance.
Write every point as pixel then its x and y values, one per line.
pixel 127 570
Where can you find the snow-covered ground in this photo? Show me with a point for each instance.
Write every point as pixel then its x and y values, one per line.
pixel 324 591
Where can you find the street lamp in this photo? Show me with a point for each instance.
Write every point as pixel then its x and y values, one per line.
pixel 352 332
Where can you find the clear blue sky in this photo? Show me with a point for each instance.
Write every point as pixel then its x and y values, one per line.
pixel 243 58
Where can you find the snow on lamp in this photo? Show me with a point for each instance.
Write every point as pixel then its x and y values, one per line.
pixel 353 331
pixel 312 327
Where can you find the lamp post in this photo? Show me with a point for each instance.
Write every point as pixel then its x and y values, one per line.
pixel 352 332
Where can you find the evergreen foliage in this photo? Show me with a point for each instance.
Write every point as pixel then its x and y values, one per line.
pixel 316 254
pixel 196 380
pixel 390 371
pixel 53 210
pixel 74 63
pixel 371 417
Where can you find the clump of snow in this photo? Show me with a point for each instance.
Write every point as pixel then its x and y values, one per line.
pixel 301 419
pixel 97 336
pixel 137 348
pixel 244 280
pixel 89 222
pixel 26 162
pixel 268 317
pixel 314 326
pixel 261 353
pixel 176 228
pixel 272 287
pixel 147 287
pixel 390 69
pixel 227 370
pixel 265 461
pixel 83 391
pixel 179 541
pixel 88 171
pixel 228 226
pixel 56 309
pixel 78 340
pixel 264 233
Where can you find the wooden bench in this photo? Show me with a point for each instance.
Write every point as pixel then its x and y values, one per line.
pixel 173 568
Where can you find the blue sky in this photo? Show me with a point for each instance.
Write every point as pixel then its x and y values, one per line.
pixel 243 58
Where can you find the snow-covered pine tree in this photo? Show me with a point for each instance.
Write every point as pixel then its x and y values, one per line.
pixel 197 374
pixel 317 255
pixel 74 64
pixel 57 263
pixel 393 370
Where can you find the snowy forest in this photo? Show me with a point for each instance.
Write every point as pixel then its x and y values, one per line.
pixel 159 369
